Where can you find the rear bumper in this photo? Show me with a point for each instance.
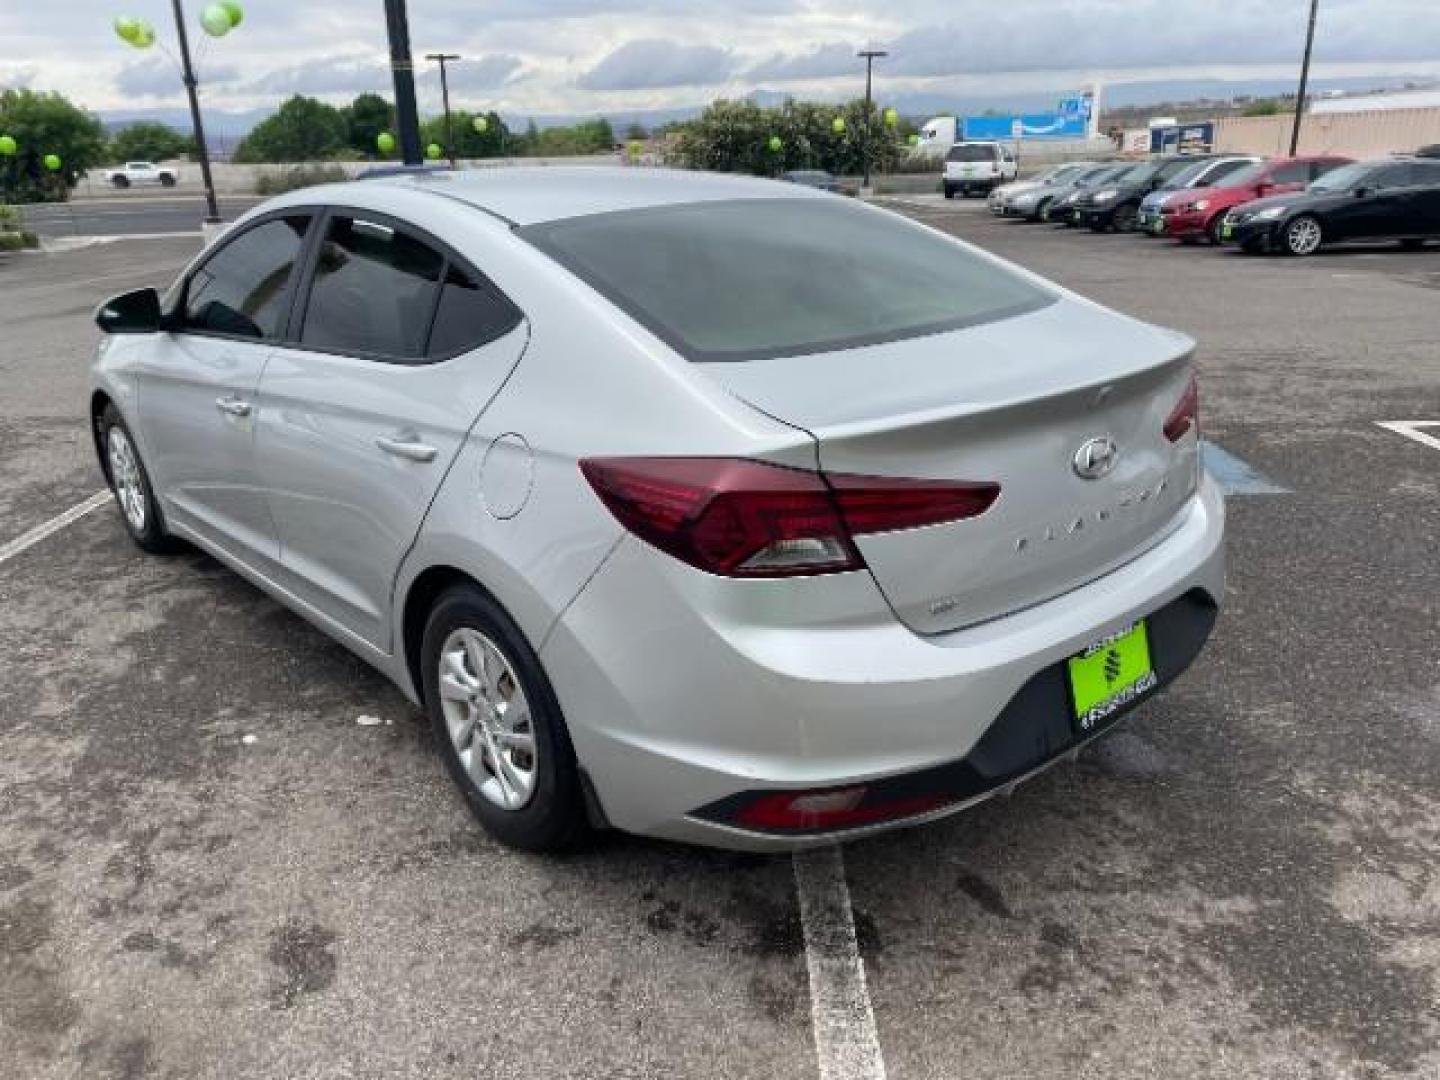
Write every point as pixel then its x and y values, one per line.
pixel 683 691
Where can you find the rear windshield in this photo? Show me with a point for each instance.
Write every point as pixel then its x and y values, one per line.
pixel 756 278
pixel 971 152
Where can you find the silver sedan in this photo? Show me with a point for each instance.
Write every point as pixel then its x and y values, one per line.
pixel 702 507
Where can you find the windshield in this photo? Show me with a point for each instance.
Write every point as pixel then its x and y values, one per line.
pixel 756 278
pixel 1187 176
pixel 1247 175
pixel 971 152
pixel 1142 174
pixel 1344 178
pixel 1113 172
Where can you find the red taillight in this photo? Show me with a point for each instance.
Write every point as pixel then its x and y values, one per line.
pixel 1186 414
pixel 816 811
pixel 740 518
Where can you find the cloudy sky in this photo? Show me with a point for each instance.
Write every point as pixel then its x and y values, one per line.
pixel 569 56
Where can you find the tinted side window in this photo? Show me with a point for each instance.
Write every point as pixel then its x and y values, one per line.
pixel 1294 173
pixel 243 288
pixel 470 314
pixel 1224 169
pixel 1320 168
pixel 1427 173
pixel 1394 176
pixel 373 291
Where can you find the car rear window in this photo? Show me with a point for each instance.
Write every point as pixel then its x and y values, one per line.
pixel 756 278
pixel 971 152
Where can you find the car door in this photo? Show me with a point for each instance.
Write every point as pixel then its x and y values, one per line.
pixel 1427 196
pixel 1377 207
pixel 398 348
pixel 197 388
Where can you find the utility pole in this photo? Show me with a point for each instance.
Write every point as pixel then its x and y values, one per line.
pixel 442 58
pixel 407 120
pixel 1304 80
pixel 212 209
pixel 870 56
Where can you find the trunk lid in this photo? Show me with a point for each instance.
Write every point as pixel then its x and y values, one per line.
pixel 1010 402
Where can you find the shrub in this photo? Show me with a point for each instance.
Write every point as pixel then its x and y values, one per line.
pixel 9 218
pixel 17 241
pixel 298 176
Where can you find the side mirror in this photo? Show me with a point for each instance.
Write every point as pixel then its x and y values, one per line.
pixel 1362 192
pixel 135 312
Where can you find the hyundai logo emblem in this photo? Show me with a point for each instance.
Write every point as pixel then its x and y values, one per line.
pixel 1095 458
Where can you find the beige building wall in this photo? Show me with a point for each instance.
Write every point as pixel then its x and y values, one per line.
pixel 1373 133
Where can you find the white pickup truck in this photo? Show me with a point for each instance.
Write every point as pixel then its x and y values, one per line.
pixel 141 172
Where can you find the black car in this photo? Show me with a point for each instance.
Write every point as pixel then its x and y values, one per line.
pixel 1392 199
pixel 1061 207
pixel 1117 205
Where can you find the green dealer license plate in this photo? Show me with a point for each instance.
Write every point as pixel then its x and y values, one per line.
pixel 1227 231
pixel 1110 674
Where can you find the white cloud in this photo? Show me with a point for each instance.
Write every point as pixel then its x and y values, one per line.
pixel 525 56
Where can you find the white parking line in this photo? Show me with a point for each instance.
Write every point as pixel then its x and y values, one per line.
pixel 1408 429
pixel 54 525
pixel 846 1044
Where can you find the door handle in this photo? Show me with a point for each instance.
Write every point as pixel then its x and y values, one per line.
pixel 233 406
pixel 407 446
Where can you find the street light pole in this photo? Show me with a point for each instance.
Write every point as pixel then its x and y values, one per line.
pixel 1304 80
pixel 212 209
pixel 442 59
pixel 870 56
pixel 407 120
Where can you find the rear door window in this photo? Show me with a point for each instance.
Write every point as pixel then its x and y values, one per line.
pixel 971 152
pixel 471 312
pixel 243 290
pixel 373 292
pixel 1297 172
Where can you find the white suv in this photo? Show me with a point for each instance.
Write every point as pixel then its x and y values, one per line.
pixel 972 167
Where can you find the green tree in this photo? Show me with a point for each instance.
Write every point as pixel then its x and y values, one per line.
pixel 1264 107
pixel 302 129
pixel 494 141
pixel 636 132
pixel 365 118
pixel 46 124
pixel 734 136
pixel 586 137
pixel 146 140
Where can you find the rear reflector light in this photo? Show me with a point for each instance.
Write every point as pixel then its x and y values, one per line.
pixel 1186 414
pixel 817 811
pixel 741 518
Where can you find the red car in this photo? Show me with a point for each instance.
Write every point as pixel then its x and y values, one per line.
pixel 1191 214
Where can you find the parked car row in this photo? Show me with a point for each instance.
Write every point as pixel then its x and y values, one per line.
pixel 1294 205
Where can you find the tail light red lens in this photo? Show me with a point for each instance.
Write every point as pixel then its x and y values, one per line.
pixel 1186 414
pixel 741 518
pixel 801 811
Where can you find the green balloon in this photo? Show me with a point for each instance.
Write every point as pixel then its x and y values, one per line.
pixel 838 125
pixel 433 151
pixel 144 37
pixel 235 11
pixel 216 20
pixel 8 146
pixel 385 141
pixel 126 28
pixel 52 162
pixel 481 125
pixel 891 118
pixel 775 144
pixel 914 139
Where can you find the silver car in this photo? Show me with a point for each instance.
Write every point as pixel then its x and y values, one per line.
pixel 703 507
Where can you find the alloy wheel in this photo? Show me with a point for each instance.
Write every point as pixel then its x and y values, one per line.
pixel 1303 236
pixel 126 477
pixel 488 718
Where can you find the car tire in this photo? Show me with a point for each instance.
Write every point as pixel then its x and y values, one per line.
pixel 527 795
pixel 949 192
pixel 1412 244
pixel 1302 236
pixel 166 180
pixel 1123 219
pixel 120 181
pixel 1041 209
pixel 130 483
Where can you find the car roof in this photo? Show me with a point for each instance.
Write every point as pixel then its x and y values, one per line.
pixel 528 195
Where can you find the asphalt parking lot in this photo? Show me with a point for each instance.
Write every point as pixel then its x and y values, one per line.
pixel 209 867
